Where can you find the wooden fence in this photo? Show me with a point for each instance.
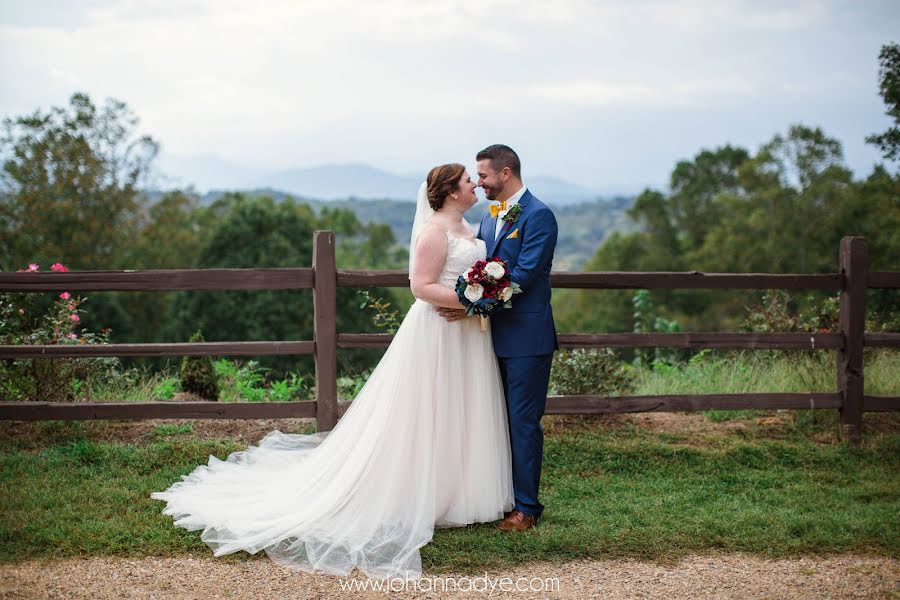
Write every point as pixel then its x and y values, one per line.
pixel 852 280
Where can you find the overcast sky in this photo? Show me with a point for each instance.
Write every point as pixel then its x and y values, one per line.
pixel 607 94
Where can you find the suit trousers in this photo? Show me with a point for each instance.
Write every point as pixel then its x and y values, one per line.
pixel 525 381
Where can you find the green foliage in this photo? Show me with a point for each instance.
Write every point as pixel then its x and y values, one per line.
pixel 287 390
pixel 198 376
pixel 778 312
pixel 70 181
pixel 782 210
pixel 246 382
pixel 383 317
pixel 165 389
pixel 588 371
pixel 645 321
pixel 695 186
pixel 260 233
pixel 242 382
pixel 35 319
pixel 889 87
pixel 69 184
pixel 349 386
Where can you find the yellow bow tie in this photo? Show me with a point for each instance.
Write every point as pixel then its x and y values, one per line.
pixel 496 208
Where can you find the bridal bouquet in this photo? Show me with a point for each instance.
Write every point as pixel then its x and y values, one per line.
pixel 486 288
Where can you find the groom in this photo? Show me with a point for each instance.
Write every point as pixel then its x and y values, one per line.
pixel 522 231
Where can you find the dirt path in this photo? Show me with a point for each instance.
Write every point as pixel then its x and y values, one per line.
pixel 725 576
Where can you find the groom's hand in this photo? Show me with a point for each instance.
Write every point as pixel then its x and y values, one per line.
pixel 451 314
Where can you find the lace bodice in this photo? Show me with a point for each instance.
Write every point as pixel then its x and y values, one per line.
pixel 461 253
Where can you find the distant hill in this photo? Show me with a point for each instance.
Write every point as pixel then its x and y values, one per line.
pixel 335 182
pixel 332 182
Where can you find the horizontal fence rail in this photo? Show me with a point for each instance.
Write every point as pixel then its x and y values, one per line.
pixel 159 280
pixel 179 349
pixel 628 280
pixel 852 280
pixel 797 341
pixel 40 411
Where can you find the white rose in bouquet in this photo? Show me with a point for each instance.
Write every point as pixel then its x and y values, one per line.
pixel 495 270
pixel 474 292
pixel 506 293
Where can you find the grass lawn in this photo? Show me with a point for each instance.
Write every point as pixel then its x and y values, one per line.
pixel 770 484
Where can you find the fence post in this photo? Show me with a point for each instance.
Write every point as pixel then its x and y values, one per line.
pixel 852 323
pixel 325 329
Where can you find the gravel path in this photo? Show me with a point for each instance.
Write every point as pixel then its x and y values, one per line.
pixel 725 576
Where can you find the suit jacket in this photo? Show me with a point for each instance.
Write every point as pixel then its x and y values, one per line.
pixel 526 329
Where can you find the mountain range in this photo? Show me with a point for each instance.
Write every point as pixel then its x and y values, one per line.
pixel 330 182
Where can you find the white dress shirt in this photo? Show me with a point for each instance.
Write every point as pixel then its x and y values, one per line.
pixel 513 200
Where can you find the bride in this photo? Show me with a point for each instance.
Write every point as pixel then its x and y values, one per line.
pixel 423 445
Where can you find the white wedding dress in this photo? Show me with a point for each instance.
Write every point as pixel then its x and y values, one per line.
pixel 425 444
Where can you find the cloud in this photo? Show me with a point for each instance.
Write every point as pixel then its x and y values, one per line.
pixel 397 82
pixel 674 94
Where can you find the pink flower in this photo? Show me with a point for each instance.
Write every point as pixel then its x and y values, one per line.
pixel 33 267
pixel 65 295
pixel 21 311
pixel 74 317
pixel 72 336
pixel 71 306
pixel 59 267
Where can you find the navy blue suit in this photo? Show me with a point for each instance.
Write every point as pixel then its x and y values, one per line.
pixel 524 338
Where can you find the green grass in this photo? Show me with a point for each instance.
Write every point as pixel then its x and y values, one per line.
pixel 782 485
pixel 239 381
pixel 165 430
pixel 709 372
pixel 610 491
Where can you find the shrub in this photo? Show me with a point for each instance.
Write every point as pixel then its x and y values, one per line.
pixel 591 371
pixel 777 312
pixel 28 319
pixel 198 375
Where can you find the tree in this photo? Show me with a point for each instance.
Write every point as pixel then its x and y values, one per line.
pixel 260 233
pixel 783 210
pixel 172 235
pixel 69 184
pixel 889 87
pixel 696 186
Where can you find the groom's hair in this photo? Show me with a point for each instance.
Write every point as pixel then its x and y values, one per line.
pixel 502 156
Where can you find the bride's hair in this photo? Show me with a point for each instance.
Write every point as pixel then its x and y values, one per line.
pixel 442 181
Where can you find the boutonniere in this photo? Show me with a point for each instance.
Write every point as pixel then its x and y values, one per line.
pixel 512 215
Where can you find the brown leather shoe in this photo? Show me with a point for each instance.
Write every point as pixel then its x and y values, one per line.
pixel 517 521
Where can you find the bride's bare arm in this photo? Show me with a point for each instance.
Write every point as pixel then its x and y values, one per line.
pixel 430 255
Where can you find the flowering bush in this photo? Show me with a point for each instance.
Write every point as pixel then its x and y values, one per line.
pixel 26 318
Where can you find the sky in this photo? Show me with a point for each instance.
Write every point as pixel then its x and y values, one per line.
pixel 605 94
